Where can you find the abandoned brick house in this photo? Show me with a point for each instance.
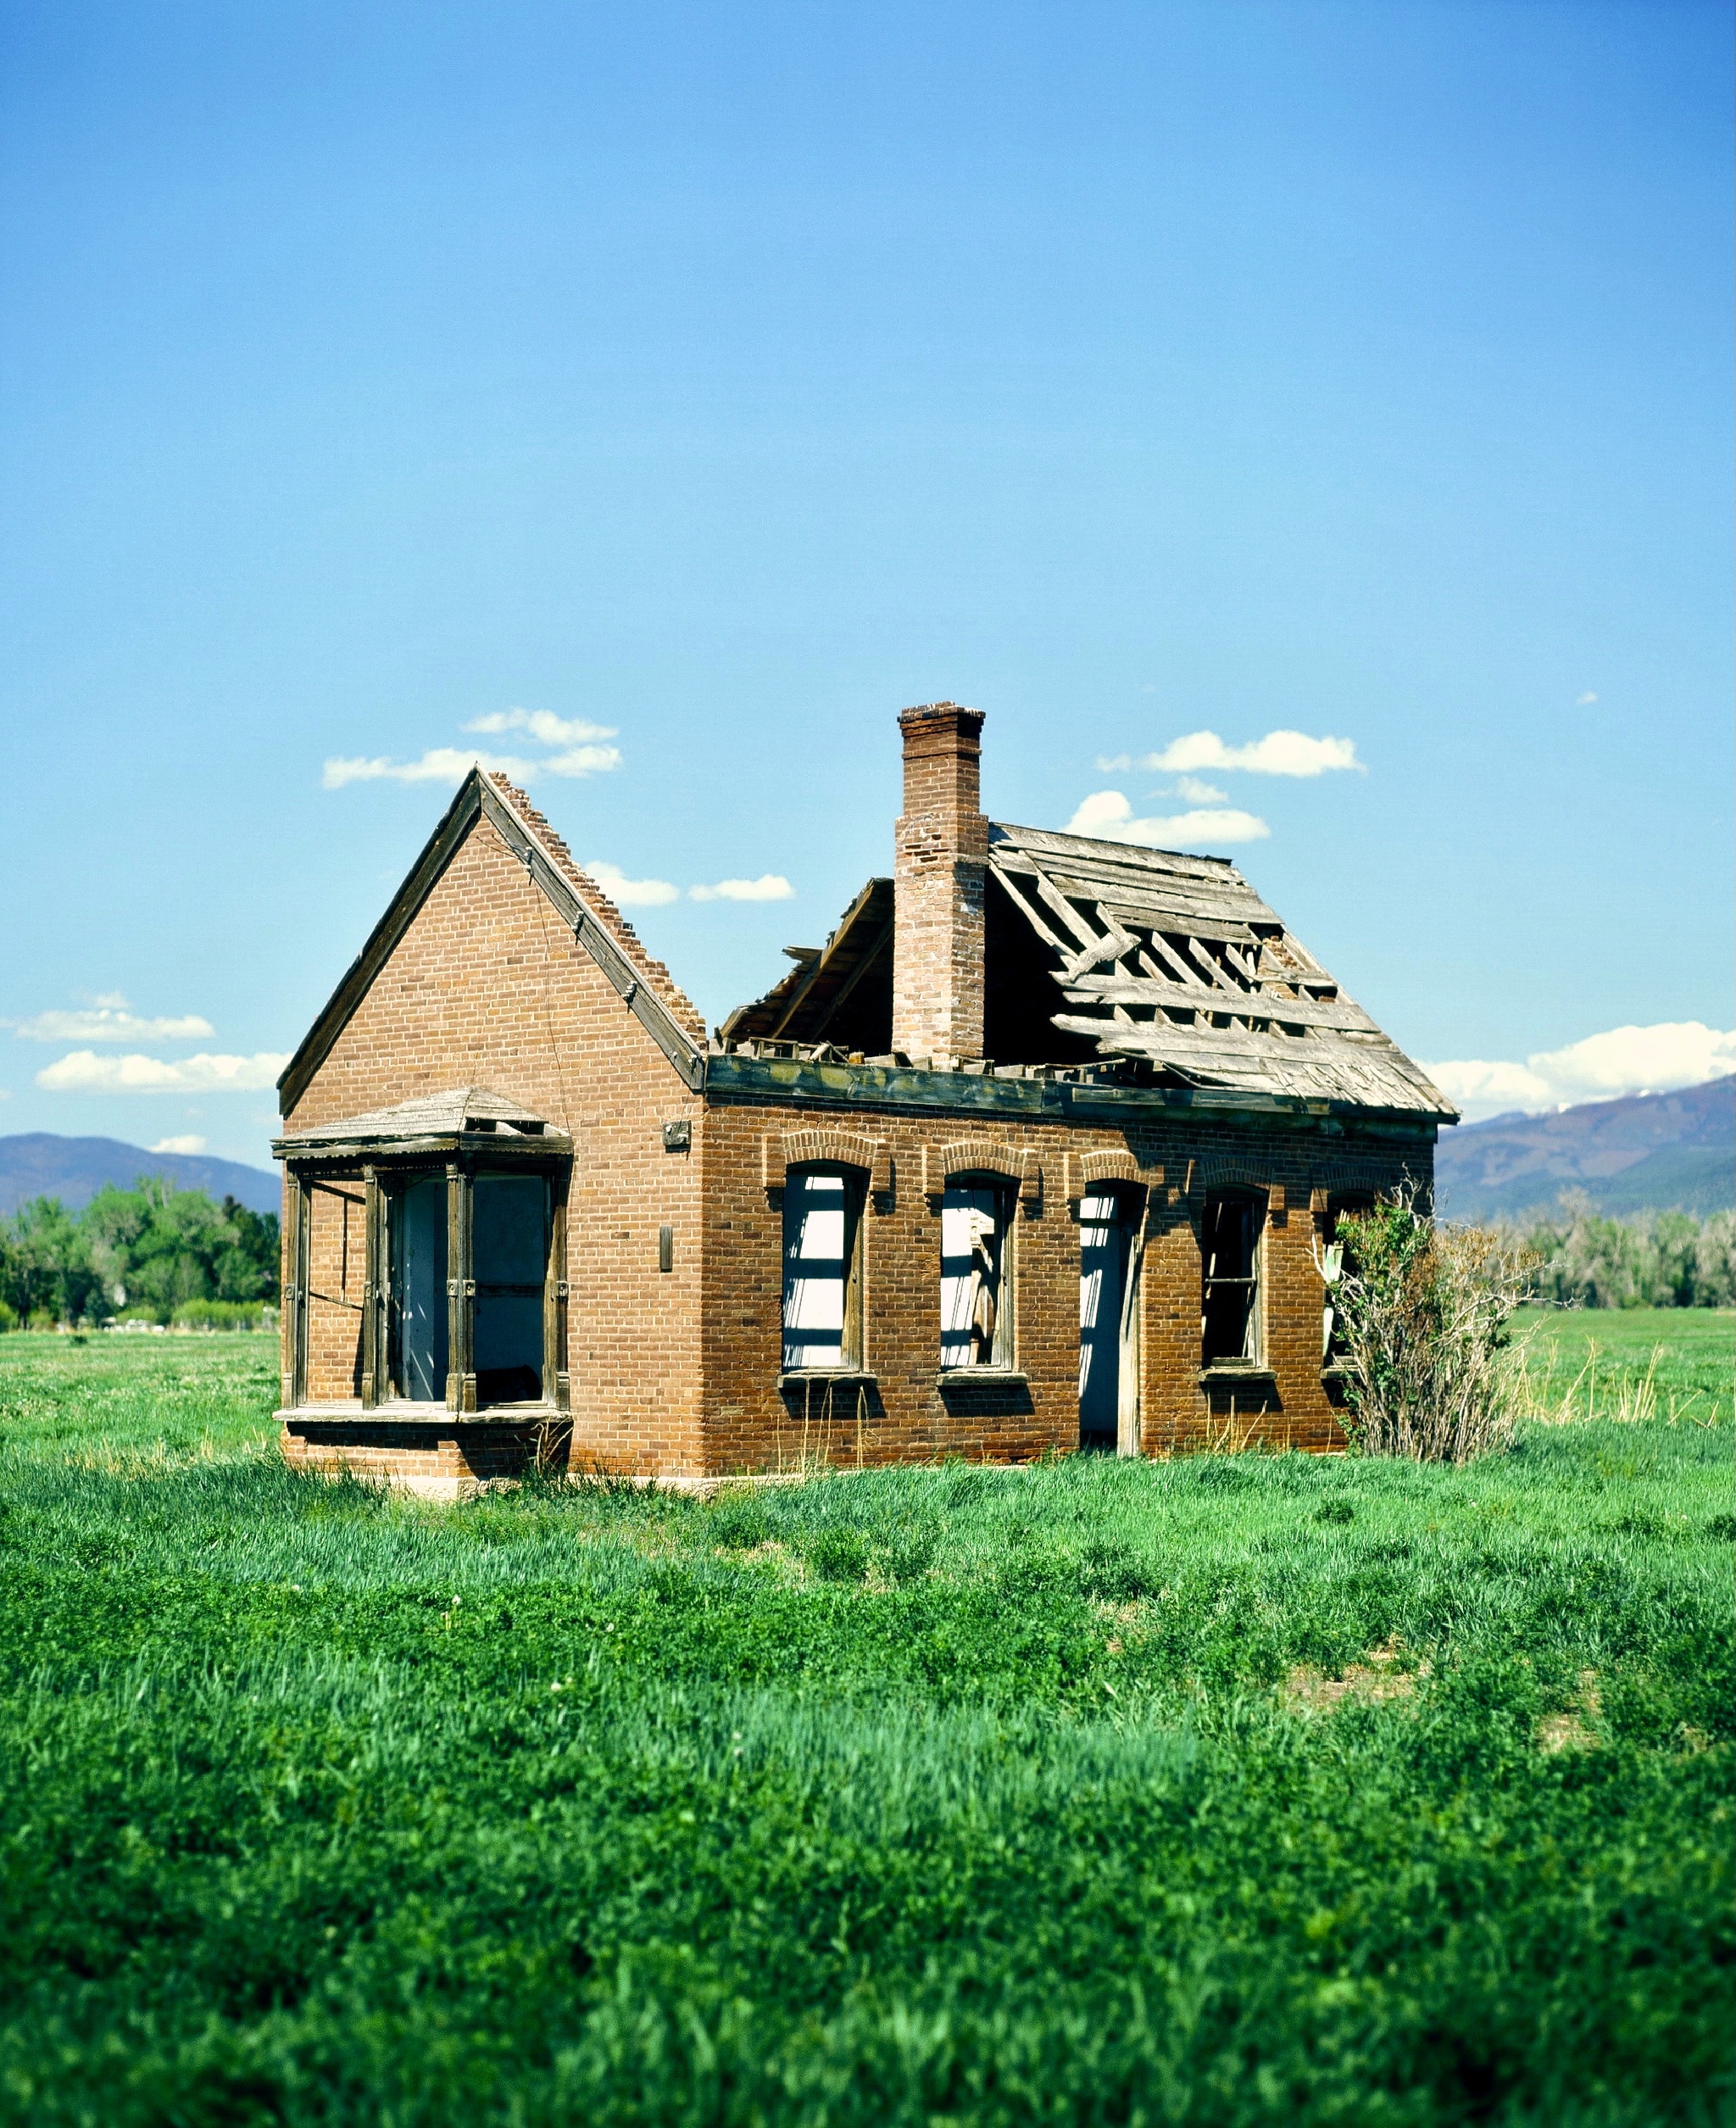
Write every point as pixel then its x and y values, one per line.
pixel 1032 1155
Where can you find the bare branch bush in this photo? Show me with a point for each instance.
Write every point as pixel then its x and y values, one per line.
pixel 1423 1313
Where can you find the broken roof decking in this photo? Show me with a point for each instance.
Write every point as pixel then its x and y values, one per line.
pixel 1158 956
pixel 1176 959
pixel 816 991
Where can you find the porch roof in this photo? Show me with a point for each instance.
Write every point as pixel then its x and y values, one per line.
pixel 471 1115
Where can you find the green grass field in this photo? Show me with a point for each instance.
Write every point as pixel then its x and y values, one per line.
pixel 1258 1789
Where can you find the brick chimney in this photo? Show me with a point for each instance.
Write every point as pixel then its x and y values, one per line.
pixel 941 869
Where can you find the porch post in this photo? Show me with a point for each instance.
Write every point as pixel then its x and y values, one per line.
pixel 373 1297
pixel 293 1358
pixel 556 1388
pixel 460 1294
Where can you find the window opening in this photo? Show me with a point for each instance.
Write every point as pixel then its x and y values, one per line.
pixel 822 1222
pixel 1336 1255
pixel 974 1329
pixel 1229 1322
pixel 1105 1251
pixel 417 1283
pixel 510 1262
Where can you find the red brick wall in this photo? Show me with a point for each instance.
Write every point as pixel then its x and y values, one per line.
pixel 486 987
pixel 905 1412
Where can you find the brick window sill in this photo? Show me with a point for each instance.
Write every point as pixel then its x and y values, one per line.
pixel 1222 1374
pixel 947 1377
pixel 400 1411
pixel 832 1376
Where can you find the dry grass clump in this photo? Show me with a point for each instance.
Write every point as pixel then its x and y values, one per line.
pixel 1570 1729
pixel 1423 1314
pixel 1307 1691
pixel 1612 1394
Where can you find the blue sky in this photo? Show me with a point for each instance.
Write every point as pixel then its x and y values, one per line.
pixel 729 377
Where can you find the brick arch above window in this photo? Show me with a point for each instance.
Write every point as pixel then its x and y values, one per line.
pixel 1340 1177
pixel 982 1156
pixel 1224 1171
pixel 781 1151
pixel 1085 1171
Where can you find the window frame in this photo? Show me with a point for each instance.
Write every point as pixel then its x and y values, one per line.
pixel 853 1342
pixel 385 1179
pixel 1254 1204
pixel 1130 1201
pixel 1003 1357
pixel 394 1192
pixel 1340 1204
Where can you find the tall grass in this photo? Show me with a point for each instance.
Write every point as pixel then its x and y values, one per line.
pixel 952 1794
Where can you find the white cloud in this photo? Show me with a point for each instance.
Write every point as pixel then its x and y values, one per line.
pixel 448 764
pixel 1477 1088
pixel 1278 753
pixel 1112 763
pixel 108 1021
pixel 1109 815
pixel 1630 1060
pixel 83 1072
pixel 190 1143
pixel 1198 793
pixel 439 765
pixel 1627 1059
pixel 544 725
pixel 630 893
pixel 582 761
pixel 770 886
pixel 1585 701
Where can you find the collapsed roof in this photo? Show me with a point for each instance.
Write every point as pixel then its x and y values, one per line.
pixel 1151 955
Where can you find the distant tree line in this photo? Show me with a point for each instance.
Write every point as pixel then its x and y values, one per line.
pixel 1653 1259
pixel 148 1253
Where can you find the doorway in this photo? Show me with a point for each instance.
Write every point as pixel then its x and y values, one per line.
pixel 1109 1322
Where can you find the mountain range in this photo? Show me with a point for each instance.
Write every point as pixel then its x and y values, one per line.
pixel 41 1164
pixel 1645 1152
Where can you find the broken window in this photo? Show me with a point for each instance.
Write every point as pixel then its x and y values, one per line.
pixel 821 1290
pixel 1229 1241
pixel 1335 1257
pixel 976 1325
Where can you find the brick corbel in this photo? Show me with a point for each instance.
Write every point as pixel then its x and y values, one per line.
pixel 982 1155
pixel 780 1151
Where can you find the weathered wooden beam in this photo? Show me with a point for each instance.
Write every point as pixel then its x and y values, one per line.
pixel 1038 923
pixel 1255 1005
pixel 1178 863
